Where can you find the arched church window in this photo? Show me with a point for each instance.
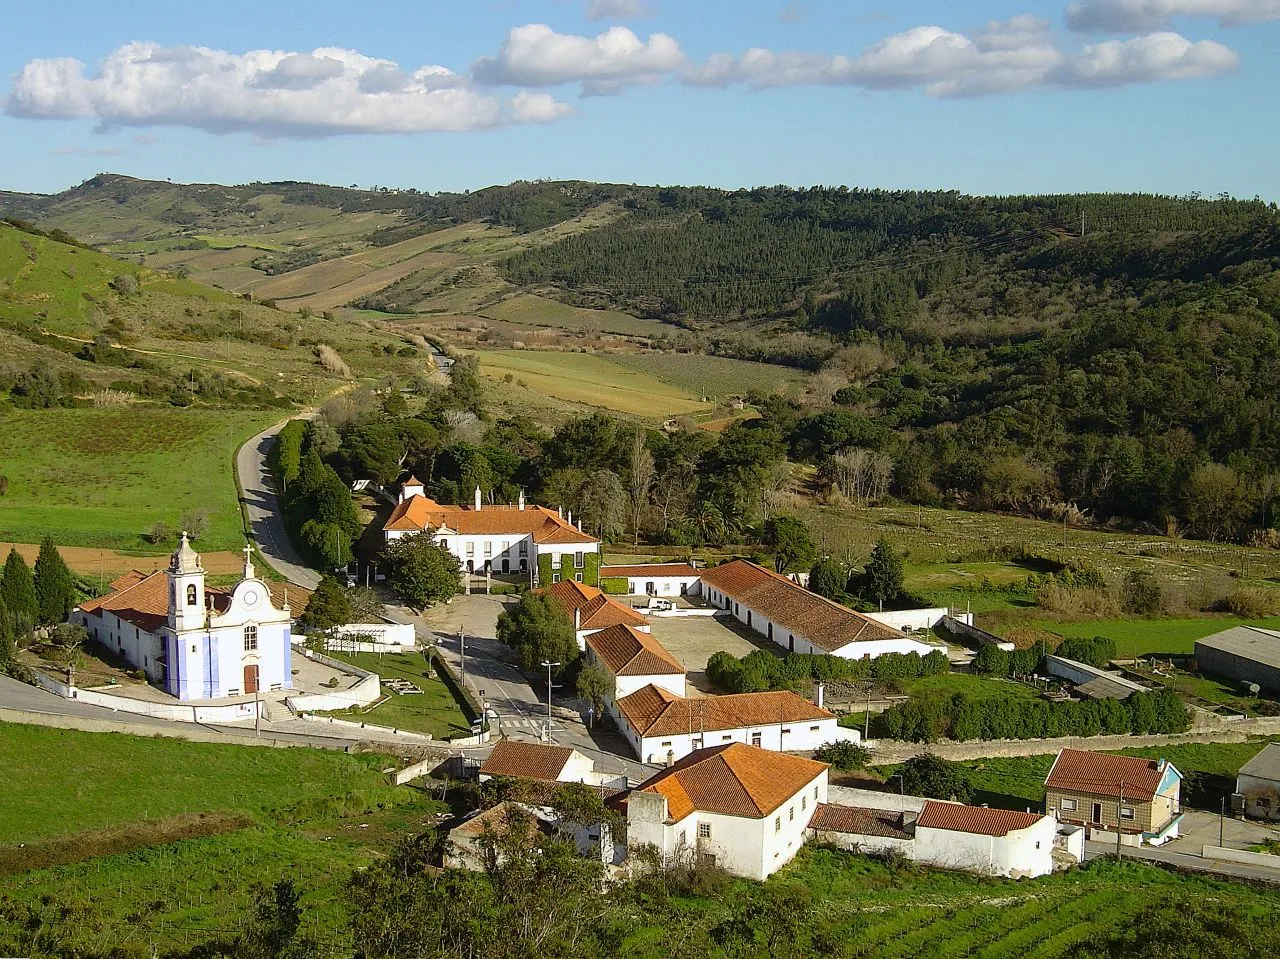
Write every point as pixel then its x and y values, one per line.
pixel 250 638
pixel 191 595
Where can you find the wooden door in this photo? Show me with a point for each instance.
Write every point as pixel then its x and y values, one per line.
pixel 1097 813
pixel 251 679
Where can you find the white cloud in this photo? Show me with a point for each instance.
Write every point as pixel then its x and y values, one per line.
pixel 1130 16
pixel 1004 56
pixel 619 9
pixel 536 56
pixel 270 93
pixel 530 107
pixel 1157 56
pixel 69 150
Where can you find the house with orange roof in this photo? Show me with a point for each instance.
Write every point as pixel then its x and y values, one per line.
pixel 656 579
pixel 192 640
pixel 491 538
pixel 798 620
pixel 591 610
pixel 735 806
pixel 633 659
pixel 1103 792
pixel 663 727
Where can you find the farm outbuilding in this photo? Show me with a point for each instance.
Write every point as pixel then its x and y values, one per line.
pixel 1246 654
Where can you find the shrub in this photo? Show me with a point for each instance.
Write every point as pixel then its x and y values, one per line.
pixel 1141 593
pixel 329 359
pixel 1098 651
pixel 843 754
pixel 1246 602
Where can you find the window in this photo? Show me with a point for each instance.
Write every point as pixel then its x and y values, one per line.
pixel 524 547
pixel 444 543
pixel 680 840
pixel 191 595
pixel 1126 812
pixel 555 577
pixel 814 729
pixel 704 830
pixel 579 560
pixel 803 800
pixel 667 743
pixel 725 739
pixel 785 731
pixel 250 638
pixel 791 814
pixel 815 793
pixel 193 647
pixel 755 739
pixel 777 824
pixel 577 577
pixel 1068 805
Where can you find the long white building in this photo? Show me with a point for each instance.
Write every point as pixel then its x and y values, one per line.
pixel 633 660
pixel 193 641
pixel 796 619
pixel 499 539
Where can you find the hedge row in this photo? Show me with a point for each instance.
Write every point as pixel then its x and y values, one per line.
pixel 759 671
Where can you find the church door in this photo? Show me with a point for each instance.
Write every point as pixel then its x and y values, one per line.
pixel 251 679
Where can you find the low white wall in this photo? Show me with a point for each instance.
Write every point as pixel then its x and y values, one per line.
pixel 229 713
pixel 361 694
pixel 913 619
pixel 349 724
pixel 867 845
pixel 1239 855
pixel 383 634
pixel 683 611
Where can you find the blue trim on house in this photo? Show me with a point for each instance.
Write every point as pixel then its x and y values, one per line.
pixel 286 674
pixel 211 685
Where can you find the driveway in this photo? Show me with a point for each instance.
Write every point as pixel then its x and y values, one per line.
pixel 266 519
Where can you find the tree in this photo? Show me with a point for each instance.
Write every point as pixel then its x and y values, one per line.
pixel 935 778
pixel 160 533
pixel 828 578
pixel 421 570
pixel 843 754
pixel 195 522
pixel 883 576
pixel 789 541
pixel 602 504
pixel 273 934
pixel 6 635
pixel 18 590
pixel 1141 593
pixel 366 607
pixel 1216 500
pixel 328 606
pixel 540 631
pixel 55 590
pixel 595 686
pixel 641 479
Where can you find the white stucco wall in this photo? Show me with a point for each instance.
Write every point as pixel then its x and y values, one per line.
pixel 1255 788
pixel 793 641
pixel 626 685
pixel 798 737
pixel 1021 853
pixel 662 585
pixel 867 845
pixel 916 620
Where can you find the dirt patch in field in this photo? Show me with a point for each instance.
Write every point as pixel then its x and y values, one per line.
pixel 92 561
pixel 116 840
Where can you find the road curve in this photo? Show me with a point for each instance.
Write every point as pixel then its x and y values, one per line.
pixel 266 518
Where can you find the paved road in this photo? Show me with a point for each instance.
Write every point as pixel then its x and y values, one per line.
pixel 266 519
pixel 1185 860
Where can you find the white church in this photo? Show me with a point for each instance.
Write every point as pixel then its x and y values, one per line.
pixel 193 641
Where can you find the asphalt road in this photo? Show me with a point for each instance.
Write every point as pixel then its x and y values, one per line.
pixel 266 519
pixel 1185 860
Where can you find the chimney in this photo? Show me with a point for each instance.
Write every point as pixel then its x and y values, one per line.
pixel 569 517
pixel 521 500
pixel 579 524
pixel 560 511
pixel 479 500
pixel 577 618
pixel 819 694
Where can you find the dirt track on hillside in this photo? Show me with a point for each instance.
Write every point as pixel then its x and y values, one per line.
pixel 91 561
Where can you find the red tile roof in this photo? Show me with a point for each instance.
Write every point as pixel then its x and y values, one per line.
pixel 653 711
pixel 830 817
pixel 626 651
pixel 1101 774
pixel 656 570
pixel 734 780
pixel 526 760
pixel 598 610
pixel 974 819
pixel 143 600
pixel 824 623
pixel 418 513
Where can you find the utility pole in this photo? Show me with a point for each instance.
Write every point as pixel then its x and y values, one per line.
pixel 1082 224
pixel 550 666
pixel 866 726
pixel 462 656
pixel 257 708
pixel 1222 822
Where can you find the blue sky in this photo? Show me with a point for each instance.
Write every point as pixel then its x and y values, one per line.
pixel 1164 96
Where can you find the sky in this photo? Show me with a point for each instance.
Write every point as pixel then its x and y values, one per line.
pixel 994 97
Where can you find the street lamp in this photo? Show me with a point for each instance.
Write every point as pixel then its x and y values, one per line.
pixel 550 666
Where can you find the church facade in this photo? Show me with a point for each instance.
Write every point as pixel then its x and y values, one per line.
pixel 194 641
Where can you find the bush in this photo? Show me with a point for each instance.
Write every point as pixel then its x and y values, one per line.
pixel 935 778
pixel 1141 593
pixel 843 754
pixel 1246 602
pixel 760 670
pixel 1098 651
pixel 615 585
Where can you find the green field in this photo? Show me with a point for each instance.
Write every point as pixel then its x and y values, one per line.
pixel 435 711
pixel 91 477
pixel 590 380
pixel 716 377
pixel 1143 637
pixel 532 310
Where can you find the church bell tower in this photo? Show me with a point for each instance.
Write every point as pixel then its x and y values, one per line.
pixel 186 588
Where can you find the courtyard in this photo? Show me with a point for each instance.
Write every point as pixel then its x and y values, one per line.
pixel 693 639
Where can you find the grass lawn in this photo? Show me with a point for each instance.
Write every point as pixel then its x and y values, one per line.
pixel 593 380
pixel 1142 637
pixel 62 781
pixel 946 685
pixel 313 816
pixel 100 477
pixel 714 376
pixel 435 711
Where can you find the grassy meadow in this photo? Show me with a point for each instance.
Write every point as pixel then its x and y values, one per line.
pixel 715 377
pixel 103 477
pixel 531 310
pixel 591 380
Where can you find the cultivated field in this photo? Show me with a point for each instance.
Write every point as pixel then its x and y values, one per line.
pixel 92 477
pixel 590 380
pixel 715 377
pixel 532 310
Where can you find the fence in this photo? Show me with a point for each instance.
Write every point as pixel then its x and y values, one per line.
pixel 1239 855
pixel 369 727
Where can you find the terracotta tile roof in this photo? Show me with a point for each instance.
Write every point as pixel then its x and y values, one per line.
pixel 975 819
pixel 652 711
pixel 628 652
pixel 526 760
pixel 598 610
pixel 545 526
pixel 734 780
pixel 1100 774
pixel 125 580
pixel 656 570
pixel 143 600
pixel 497 818
pixel 830 817
pixel 824 623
